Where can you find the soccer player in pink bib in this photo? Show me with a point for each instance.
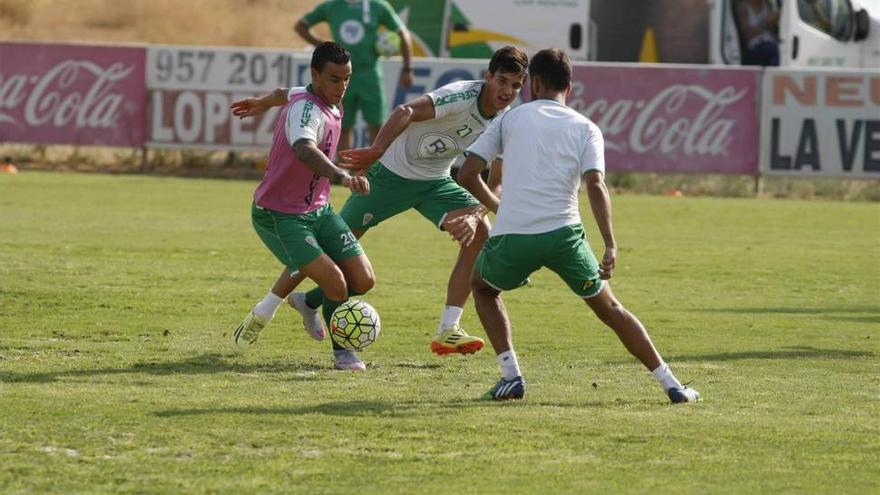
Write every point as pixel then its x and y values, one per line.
pixel 409 168
pixel 291 211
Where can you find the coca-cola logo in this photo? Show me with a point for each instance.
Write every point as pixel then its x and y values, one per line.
pixel 686 118
pixel 75 93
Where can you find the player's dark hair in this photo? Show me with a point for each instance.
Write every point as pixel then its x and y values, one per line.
pixel 509 59
pixel 329 51
pixel 553 67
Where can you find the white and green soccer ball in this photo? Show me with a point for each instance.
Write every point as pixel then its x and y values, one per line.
pixel 387 43
pixel 354 325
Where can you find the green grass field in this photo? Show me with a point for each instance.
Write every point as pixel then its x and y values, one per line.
pixel 118 293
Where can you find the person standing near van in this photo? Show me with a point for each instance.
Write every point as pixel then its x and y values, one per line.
pixel 355 24
pixel 759 25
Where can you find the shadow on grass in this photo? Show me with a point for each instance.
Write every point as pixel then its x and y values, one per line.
pixel 198 365
pixel 852 310
pixel 855 319
pixel 391 408
pixel 344 408
pixel 417 366
pixel 804 352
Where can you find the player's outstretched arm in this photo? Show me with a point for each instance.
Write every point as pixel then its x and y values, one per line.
pixel 418 110
pixel 600 203
pixel 309 154
pixel 495 177
pixel 469 177
pixel 463 228
pixel 252 107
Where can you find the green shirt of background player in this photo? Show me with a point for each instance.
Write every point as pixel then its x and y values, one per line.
pixel 355 25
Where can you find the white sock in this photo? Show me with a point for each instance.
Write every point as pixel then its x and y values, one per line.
pixel 266 308
pixel 665 377
pixel 509 365
pixel 451 316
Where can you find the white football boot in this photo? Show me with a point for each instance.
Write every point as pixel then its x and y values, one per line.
pixel 312 320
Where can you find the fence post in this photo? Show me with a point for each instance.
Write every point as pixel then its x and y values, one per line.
pixel 144 159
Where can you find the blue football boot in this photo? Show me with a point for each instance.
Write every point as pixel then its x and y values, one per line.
pixel 506 390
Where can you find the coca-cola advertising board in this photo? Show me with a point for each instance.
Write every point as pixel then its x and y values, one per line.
pixel 821 123
pixel 72 94
pixel 191 89
pixel 680 119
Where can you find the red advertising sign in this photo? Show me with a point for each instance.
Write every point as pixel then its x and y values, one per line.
pixel 672 119
pixel 72 94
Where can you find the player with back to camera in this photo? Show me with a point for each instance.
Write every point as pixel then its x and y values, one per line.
pixel 291 211
pixel 549 148
pixel 409 166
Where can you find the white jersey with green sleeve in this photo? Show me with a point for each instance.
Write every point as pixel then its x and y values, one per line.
pixel 301 124
pixel 547 148
pixel 426 150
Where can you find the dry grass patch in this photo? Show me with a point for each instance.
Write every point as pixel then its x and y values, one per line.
pixel 204 22
pixel 15 12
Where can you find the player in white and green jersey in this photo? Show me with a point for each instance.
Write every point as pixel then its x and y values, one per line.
pixel 549 149
pixel 408 166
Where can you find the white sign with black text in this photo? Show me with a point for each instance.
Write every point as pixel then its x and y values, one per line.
pixel 191 89
pixel 821 123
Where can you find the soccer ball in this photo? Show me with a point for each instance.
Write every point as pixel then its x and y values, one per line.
pixel 387 44
pixel 354 325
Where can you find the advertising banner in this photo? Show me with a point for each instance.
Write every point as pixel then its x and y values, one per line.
pixel 191 89
pixel 476 28
pixel 426 21
pixel 72 94
pixel 821 123
pixel 655 119
pixel 679 119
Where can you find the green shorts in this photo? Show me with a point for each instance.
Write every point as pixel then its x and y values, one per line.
pixel 365 92
pixel 391 194
pixel 297 240
pixel 506 261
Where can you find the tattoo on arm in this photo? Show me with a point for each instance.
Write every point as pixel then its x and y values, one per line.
pixel 309 154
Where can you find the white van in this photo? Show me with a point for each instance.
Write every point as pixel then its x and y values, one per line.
pixel 528 24
pixel 812 33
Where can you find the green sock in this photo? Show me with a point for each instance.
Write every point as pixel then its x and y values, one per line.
pixel 329 306
pixel 314 297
